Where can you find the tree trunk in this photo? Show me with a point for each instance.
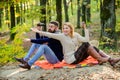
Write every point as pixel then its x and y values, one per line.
pixel 108 22
pixel 84 11
pixel 66 10
pixel 88 13
pixel 59 11
pixel 1 13
pixel 12 15
pixel 72 7
pixel 43 12
pixel 18 13
pixel 7 17
pixel 24 12
pixel 21 13
pixel 49 10
pixel 78 13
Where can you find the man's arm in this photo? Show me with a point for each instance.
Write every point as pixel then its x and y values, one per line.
pixel 40 41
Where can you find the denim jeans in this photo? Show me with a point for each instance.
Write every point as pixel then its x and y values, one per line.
pixel 47 52
pixel 31 51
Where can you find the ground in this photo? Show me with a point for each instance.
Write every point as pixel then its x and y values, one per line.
pixel 12 71
pixel 96 72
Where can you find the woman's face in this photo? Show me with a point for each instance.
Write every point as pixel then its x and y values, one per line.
pixel 66 30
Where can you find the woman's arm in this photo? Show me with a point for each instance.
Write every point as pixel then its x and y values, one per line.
pixel 86 38
pixel 50 35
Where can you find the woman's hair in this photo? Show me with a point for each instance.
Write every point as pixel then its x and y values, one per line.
pixel 71 27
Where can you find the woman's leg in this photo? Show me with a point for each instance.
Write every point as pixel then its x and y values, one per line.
pixel 102 57
pixel 103 54
pixel 92 52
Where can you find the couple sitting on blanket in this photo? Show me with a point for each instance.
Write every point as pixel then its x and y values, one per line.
pixel 54 45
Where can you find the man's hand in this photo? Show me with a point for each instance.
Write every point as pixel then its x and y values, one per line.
pixel 35 30
pixel 27 40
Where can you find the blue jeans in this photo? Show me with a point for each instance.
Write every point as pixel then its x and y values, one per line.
pixel 47 52
pixel 31 51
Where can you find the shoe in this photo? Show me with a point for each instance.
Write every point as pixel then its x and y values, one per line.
pixel 25 66
pixel 21 60
pixel 113 61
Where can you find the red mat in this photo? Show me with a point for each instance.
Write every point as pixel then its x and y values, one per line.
pixel 45 65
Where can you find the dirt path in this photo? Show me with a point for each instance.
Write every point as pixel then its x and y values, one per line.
pixel 96 72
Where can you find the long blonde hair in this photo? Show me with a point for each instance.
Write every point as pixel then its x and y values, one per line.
pixel 70 26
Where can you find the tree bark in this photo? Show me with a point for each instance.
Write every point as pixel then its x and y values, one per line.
pixel 88 13
pixel 1 13
pixel 12 15
pixel 66 10
pixel 83 11
pixel 108 22
pixel 43 12
pixel 18 12
pixel 78 13
pixel 59 11
pixel 49 10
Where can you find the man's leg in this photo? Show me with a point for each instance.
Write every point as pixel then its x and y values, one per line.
pixel 43 49
pixel 31 51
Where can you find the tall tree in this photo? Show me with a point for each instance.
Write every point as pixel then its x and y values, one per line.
pixel 108 21
pixel 84 11
pixel 59 11
pixel 7 18
pixel 21 13
pixel 43 11
pixel 18 13
pixel 78 13
pixel 12 17
pixel 1 13
pixel 66 10
pixel 88 13
pixel 49 7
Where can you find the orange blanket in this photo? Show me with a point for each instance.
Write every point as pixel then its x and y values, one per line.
pixel 46 65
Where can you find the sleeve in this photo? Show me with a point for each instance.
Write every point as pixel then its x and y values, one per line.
pixel 52 35
pixel 84 39
pixel 40 41
pixel 37 35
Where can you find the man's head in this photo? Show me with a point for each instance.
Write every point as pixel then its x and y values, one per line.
pixel 40 25
pixel 53 26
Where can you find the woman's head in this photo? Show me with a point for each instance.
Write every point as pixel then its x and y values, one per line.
pixel 68 29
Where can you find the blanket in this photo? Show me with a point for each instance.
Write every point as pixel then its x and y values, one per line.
pixel 46 65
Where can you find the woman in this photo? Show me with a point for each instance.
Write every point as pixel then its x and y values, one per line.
pixel 76 48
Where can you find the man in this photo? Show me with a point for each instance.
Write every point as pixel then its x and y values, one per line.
pixel 34 46
pixel 54 48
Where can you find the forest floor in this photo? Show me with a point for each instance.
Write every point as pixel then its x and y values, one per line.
pixel 12 71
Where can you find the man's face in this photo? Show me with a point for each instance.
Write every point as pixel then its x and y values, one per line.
pixel 51 28
pixel 39 28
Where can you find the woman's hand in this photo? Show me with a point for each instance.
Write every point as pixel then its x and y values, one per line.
pixel 83 25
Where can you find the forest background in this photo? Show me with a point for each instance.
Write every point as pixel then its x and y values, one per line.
pixel 18 16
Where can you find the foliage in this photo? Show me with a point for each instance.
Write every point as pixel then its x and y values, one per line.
pixel 8 51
